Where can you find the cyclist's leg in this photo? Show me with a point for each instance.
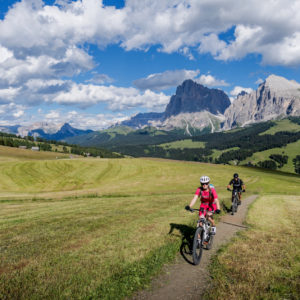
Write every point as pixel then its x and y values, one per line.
pixel 240 196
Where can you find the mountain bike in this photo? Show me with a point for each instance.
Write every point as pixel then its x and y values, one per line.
pixel 235 201
pixel 202 238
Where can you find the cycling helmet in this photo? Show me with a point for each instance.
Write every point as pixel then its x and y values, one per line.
pixel 204 179
pixel 235 175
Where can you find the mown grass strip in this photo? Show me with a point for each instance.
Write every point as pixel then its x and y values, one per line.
pixel 136 275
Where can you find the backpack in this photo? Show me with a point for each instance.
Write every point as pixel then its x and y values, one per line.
pixel 210 192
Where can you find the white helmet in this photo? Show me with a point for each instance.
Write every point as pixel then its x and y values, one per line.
pixel 204 179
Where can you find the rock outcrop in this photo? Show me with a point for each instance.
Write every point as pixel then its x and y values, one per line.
pixel 275 98
pixel 194 106
pixel 192 97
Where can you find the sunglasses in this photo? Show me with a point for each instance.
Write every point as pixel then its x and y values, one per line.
pixel 204 183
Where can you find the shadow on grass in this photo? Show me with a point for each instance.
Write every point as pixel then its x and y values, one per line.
pixel 187 235
pixel 226 208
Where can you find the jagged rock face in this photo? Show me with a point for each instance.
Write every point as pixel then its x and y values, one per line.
pixel 276 97
pixel 191 122
pixel 191 97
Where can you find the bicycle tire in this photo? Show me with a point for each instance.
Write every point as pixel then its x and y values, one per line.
pixel 236 202
pixel 197 246
pixel 210 242
pixel 234 205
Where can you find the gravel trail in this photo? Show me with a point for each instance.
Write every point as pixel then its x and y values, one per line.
pixel 182 280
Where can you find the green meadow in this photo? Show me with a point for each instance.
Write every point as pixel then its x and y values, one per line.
pixel 181 144
pixel 291 150
pixel 102 228
pixel 264 261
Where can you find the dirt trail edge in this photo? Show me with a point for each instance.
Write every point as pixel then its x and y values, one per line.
pixel 183 280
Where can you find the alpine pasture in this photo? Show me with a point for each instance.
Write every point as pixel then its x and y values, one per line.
pixel 99 228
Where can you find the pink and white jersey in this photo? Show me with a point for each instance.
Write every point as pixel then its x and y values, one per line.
pixel 205 197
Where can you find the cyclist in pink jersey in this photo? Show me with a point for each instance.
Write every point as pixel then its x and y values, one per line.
pixel 209 201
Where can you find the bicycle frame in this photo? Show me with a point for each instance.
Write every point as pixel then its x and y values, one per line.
pixel 202 238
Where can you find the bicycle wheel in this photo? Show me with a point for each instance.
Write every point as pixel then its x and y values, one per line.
pixel 210 242
pixel 234 206
pixel 236 202
pixel 197 246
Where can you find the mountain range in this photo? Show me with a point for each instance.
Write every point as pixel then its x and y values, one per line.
pixel 196 109
pixel 49 131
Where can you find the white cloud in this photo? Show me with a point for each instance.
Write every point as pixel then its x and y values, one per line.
pixel 18 113
pixel 238 89
pixel 52 115
pixel 100 79
pixel 10 113
pixel 212 44
pixel 7 95
pixel 5 54
pixel 209 80
pixel 117 98
pixel 259 81
pixel 31 27
pixel 165 80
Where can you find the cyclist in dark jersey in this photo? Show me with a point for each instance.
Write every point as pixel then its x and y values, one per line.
pixel 237 185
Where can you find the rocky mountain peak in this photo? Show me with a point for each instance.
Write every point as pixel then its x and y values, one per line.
pixel 192 97
pixel 276 97
pixel 282 86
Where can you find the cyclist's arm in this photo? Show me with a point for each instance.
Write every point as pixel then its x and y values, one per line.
pixel 229 184
pixel 217 203
pixel 194 201
pixel 243 185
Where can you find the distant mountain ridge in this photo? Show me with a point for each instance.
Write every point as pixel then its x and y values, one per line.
pixel 49 131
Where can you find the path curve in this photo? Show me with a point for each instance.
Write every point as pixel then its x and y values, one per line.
pixel 182 280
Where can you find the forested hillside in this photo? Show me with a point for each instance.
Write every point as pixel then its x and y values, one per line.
pixel 228 147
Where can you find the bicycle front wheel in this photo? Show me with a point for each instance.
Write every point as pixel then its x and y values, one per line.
pixel 197 246
pixel 234 206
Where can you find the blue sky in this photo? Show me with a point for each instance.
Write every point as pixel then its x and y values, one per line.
pixel 93 63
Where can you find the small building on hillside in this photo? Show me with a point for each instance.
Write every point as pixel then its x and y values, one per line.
pixel 35 148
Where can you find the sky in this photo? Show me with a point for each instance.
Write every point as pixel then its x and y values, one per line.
pixel 93 63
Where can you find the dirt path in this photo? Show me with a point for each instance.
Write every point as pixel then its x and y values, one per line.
pixel 183 280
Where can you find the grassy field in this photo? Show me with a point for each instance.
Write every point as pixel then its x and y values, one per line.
pixel 292 150
pixel 11 154
pixel 99 228
pixel 263 262
pixel 283 125
pixel 183 144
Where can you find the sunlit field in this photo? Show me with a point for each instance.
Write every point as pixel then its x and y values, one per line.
pixel 264 262
pixel 99 228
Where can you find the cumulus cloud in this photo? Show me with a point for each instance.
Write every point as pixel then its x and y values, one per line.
pixel 259 81
pixel 7 95
pixel 100 79
pixel 117 98
pixel 33 27
pixel 11 113
pixel 165 80
pixel 238 89
pixel 209 80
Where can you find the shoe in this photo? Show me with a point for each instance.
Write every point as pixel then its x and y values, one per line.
pixel 213 230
